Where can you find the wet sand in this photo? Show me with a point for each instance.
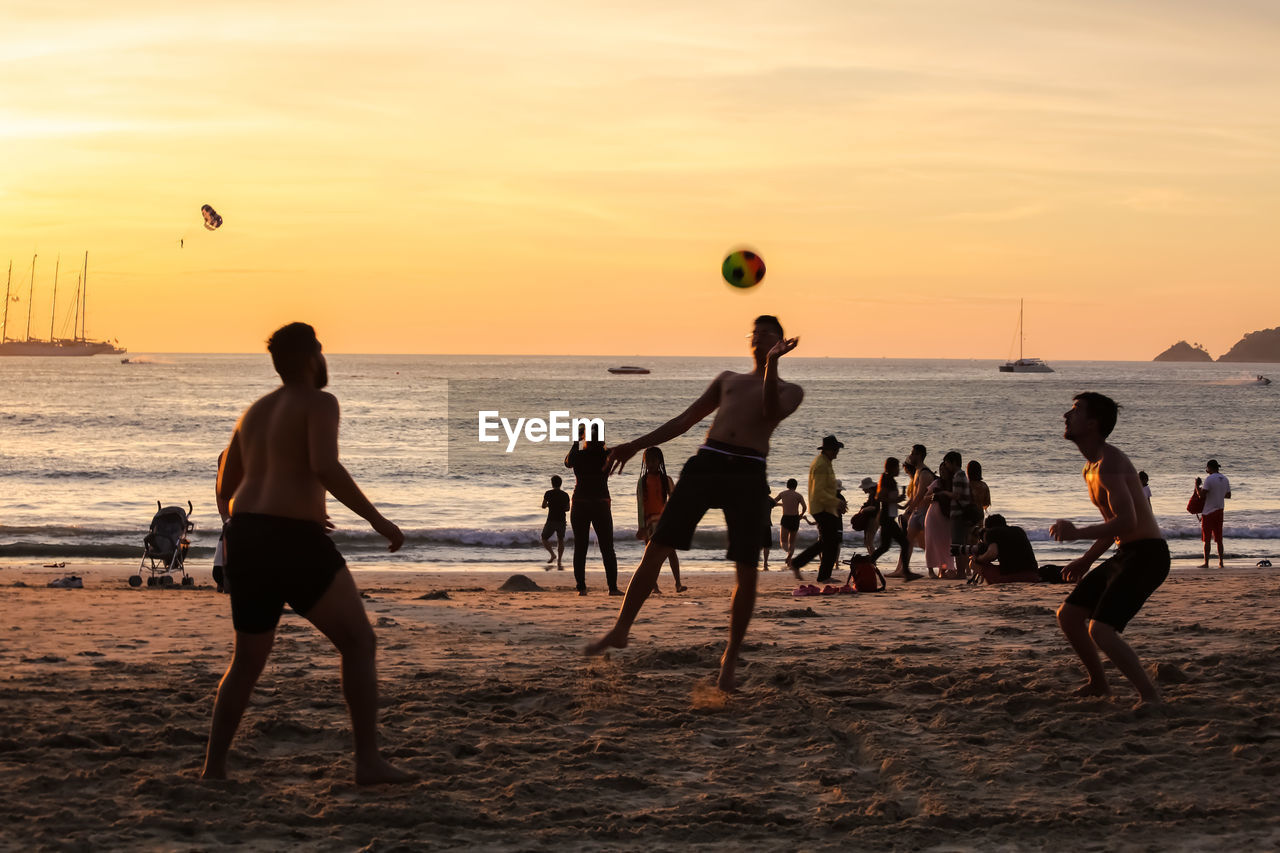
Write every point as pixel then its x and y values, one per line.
pixel 931 716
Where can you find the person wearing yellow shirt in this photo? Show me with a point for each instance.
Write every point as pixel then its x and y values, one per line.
pixel 825 505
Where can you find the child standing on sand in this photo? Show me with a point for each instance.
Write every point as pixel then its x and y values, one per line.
pixel 651 498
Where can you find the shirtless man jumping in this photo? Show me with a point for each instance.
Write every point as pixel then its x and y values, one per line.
pixel 728 472
pixel 1106 598
pixel 282 458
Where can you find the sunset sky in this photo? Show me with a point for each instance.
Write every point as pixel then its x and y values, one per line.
pixel 564 177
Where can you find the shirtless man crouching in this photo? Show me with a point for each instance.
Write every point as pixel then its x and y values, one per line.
pixel 728 472
pixel 282 458
pixel 1106 598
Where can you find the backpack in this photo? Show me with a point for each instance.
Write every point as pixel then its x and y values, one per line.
pixel 1195 506
pixel 865 577
pixel 862 519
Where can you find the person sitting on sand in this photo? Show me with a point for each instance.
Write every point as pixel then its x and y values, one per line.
pixel 1105 599
pixel 728 472
pixel 282 459
pixel 556 502
pixel 652 492
pixel 1004 553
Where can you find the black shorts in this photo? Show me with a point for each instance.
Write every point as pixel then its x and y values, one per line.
pixel 733 483
pixel 790 522
pixel 552 527
pixel 1115 590
pixel 273 561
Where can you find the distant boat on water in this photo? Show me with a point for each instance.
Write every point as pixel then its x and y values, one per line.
pixel 629 369
pixel 76 345
pixel 1023 364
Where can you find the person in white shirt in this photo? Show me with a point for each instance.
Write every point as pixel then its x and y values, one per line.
pixel 1214 490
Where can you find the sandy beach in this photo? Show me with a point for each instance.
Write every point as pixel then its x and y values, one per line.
pixel 933 716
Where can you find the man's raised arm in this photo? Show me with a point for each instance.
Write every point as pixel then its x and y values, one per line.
pixel 773 405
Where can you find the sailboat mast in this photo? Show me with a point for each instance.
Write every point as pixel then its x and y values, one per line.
pixel 4 330
pixel 31 289
pixel 53 309
pixel 84 296
pixel 1022 335
pixel 75 323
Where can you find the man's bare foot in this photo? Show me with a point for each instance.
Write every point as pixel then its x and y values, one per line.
pixel 727 682
pixel 1090 689
pixel 608 641
pixel 896 573
pixel 551 559
pixel 1203 565
pixel 209 774
pixel 680 588
pixel 910 576
pixel 379 771
pixel 1149 702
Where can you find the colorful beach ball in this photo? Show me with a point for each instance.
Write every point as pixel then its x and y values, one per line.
pixel 743 268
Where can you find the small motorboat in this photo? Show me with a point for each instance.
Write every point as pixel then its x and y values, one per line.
pixel 1261 380
pixel 629 369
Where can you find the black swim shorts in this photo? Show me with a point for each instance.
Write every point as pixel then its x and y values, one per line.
pixel 790 522
pixel 1115 590
pixel 273 561
pixel 552 527
pixel 736 484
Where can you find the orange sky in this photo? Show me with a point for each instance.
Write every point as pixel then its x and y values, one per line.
pixel 566 176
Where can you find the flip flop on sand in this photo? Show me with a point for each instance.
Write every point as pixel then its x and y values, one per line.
pixel 806 589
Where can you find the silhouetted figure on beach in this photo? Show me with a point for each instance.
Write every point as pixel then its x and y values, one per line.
pixel 652 493
pixel 794 509
pixel 917 506
pixel 282 459
pixel 890 500
pixel 556 502
pixel 728 472
pixel 827 506
pixel 1214 490
pixel 592 508
pixel 1106 598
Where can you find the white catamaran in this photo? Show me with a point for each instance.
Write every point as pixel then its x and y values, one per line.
pixel 77 344
pixel 1024 365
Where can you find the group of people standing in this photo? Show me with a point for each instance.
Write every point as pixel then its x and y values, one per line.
pixel 932 512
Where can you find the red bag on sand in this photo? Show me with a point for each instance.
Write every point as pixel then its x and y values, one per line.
pixel 865 577
pixel 1195 506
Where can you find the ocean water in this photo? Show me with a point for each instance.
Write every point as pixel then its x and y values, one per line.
pixel 89 445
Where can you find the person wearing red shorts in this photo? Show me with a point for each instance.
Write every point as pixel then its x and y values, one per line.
pixel 1214 491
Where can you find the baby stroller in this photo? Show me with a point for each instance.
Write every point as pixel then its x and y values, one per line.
pixel 164 550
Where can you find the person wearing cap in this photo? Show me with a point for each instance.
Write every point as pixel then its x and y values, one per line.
pixel 825 504
pixel 794 508
pixel 1214 491
pixel 870 510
